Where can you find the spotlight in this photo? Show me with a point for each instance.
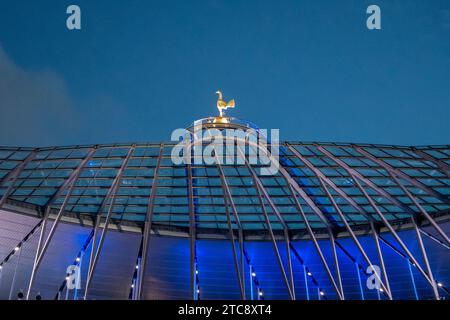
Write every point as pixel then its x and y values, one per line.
pixel 77 259
pixel 132 286
pixel 253 274
pixel 309 274
pixel 440 284
pixel 322 293
pixel 67 278
pixel 137 267
pixel 1 267
pixel 198 291
pixel 196 271
pixel 16 249
pixel 260 293
pixel 381 290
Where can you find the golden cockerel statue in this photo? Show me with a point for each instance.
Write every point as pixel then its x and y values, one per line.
pixel 222 105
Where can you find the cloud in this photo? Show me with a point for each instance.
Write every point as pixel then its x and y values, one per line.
pixel 34 105
pixel 36 110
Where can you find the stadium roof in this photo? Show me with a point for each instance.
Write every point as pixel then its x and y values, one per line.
pixel 141 178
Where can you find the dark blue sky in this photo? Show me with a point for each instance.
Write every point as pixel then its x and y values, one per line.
pixel 139 69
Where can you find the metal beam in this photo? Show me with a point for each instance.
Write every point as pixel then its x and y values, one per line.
pixel 320 174
pixel 148 225
pixel 285 175
pixel 38 249
pixel 94 244
pixel 113 189
pixel 336 262
pixel 380 258
pixel 287 241
pixel 316 244
pixel 425 259
pixel 434 239
pixel 355 176
pixel 392 230
pixel 402 175
pixel 323 183
pixel 228 195
pixel 444 167
pixel 353 235
pixel 192 232
pixel 353 173
pixel 22 242
pixel 421 209
pixel 263 192
pixel 13 175
pixel 69 185
pixel 233 246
